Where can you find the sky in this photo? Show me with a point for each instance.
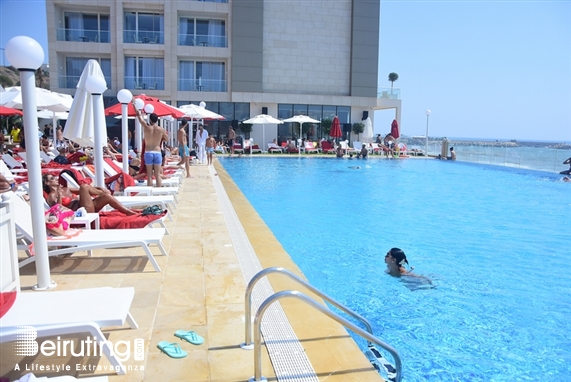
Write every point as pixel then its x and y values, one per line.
pixel 486 69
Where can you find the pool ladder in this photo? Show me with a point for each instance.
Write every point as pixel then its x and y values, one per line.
pixel 368 335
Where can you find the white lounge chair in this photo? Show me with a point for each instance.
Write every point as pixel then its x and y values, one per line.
pixel 91 239
pixel 45 157
pixel 309 148
pixel 143 201
pixel 57 313
pixel 142 189
pixel 13 164
pixel 169 182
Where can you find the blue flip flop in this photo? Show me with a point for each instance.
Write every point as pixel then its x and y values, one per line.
pixel 189 336
pixel 172 349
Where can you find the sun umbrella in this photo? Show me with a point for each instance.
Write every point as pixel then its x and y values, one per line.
pixel 8 111
pixel 161 109
pixel 368 133
pixel 301 119
pixel 80 122
pixel 48 114
pixel 262 119
pixel 395 129
pixel 198 112
pixel 335 128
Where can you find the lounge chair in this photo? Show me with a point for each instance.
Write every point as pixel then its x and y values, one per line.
pixel 13 164
pixel 238 149
pixel 327 148
pixel 142 189
pixel 56 313
pixel 90 239
pixel 345 147
pixel 310 148
pixel 273 148
pixel 129 201
pixel 110 170
pixel 251 149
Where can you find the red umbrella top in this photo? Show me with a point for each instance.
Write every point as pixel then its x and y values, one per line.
pixel 161 109
pixel 395 129
pixel 8 111
pixel 335 128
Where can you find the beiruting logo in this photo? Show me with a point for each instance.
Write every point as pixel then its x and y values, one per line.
pixel 26 345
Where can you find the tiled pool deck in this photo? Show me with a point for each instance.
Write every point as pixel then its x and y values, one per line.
pixel 201 287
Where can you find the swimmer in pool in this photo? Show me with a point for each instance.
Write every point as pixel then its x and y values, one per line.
pixel 396 260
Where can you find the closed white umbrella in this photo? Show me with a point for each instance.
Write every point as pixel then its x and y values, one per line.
pixel 79 127
pixel 368 133
pixel 301 119
pixel 262 119
pixel 83 122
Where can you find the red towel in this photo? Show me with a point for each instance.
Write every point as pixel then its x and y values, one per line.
pixel 118 220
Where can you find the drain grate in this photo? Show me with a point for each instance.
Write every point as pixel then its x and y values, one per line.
pixel 286 353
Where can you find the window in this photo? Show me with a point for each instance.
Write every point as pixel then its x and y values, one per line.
pixel 318 112
pixel 202 76
pixel 84 27
pixel 144 28
pixel 144 73
pixel 202 32
pixel 74 67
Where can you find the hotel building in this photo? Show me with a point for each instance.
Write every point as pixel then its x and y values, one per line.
pixel 241 57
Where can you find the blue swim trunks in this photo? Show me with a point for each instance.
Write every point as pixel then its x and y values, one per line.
pixel 209 149
pixel 153 157
pixel 183 149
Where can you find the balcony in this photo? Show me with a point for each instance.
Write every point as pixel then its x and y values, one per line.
pixel 145 83
pixel 143 37
pixel 388 93
pixel 202 40
pixel 70 82
pixel 202 85
pixel 82 35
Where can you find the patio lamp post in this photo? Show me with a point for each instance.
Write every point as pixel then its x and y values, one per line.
pixel 27 56
pixel 426 143
pixel 96 85
pixel 125 96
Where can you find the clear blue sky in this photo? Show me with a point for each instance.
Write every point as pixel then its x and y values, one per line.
pixel 486 69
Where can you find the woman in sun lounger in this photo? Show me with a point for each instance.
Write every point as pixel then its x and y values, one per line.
pixel 93 199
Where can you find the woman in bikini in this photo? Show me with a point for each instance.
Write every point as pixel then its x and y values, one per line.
pixel 93 199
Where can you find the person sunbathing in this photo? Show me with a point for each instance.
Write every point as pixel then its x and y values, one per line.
pixel 93 199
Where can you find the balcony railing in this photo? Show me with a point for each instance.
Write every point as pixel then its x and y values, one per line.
pixel 70 82
pixel 202 40
pixel 202 85
pixel 145 83
pixel 388 93
pixel 143 37
pixel 82 35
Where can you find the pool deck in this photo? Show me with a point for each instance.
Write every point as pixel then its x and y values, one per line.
pixel 201 287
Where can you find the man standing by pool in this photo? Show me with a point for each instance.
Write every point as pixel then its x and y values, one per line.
pixel 153 135
pixel 183 147
pixel 231 138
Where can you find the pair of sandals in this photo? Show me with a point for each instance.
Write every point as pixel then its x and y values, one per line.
pixel 173 350
pixel 152 210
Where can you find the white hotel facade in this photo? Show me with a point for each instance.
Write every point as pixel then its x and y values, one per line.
pixel 241 57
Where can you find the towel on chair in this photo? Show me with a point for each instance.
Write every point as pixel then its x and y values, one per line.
pixel 118 220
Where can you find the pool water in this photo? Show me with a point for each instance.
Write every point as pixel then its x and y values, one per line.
pixel 494 241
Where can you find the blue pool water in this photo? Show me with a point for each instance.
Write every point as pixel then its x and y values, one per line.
pixel 495 242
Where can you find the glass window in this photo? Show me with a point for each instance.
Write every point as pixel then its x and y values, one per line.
pixel 74 66
pixel 344 114
pixel 146 28
pixel 202 76
pixel 144 73
pixel 202 32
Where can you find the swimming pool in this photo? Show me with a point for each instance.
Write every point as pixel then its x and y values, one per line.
pixel 494 241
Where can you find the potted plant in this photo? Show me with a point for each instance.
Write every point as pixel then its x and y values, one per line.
pixel 326 126
pixel 358 128
pixel 246 128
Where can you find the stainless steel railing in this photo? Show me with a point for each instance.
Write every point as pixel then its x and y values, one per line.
pixel 323 309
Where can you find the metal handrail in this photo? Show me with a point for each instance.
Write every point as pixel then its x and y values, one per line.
pixel 285 272
pixel 323 309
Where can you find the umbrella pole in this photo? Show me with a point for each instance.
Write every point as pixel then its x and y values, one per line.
pixel 300 140
pixel 264 135
pixel 54 124
pixel 98 130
